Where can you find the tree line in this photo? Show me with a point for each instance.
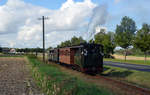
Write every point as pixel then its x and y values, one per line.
pixel 74 41
pixel 126 36
pixel 27 50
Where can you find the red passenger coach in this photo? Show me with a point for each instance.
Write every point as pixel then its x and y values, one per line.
pixel 66 55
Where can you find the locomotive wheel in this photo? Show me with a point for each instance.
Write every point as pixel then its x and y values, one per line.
pixel 76 67
pixel 73 67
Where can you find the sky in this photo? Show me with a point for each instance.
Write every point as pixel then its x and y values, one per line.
pixel 20 27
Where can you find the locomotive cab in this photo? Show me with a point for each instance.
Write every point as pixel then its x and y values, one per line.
pixel 90 58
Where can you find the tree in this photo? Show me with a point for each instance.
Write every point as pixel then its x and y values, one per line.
pixel 125 33
pixel 91 41
pixel 76 41
pixel 142 39
pixel 65 44
pixel 107 40
pixel 49 48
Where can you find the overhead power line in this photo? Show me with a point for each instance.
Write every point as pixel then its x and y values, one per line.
pixel 43 22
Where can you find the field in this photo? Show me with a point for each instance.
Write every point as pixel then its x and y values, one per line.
pixel 130 57
pixel 15 78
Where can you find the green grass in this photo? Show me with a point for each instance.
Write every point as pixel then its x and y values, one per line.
pixel 141 62
pixel 135 77
pixel 55 82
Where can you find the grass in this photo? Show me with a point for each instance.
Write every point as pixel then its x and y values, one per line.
pixel 139 78
pixel 141 62
pixel 55 82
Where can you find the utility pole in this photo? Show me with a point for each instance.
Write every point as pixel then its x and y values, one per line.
pixel 43 22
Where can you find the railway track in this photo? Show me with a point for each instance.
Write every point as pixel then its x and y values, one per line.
pixel 128 89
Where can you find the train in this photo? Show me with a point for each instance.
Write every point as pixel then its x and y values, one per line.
pixel 86 57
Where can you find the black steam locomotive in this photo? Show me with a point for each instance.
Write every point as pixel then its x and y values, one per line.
pixel 87 58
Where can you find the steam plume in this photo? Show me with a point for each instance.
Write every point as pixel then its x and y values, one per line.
pixel 98 18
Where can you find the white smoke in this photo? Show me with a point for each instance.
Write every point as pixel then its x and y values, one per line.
pixel 98 18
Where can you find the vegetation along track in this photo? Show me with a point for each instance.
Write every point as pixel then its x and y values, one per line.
pixel 128 89
pixel 116 86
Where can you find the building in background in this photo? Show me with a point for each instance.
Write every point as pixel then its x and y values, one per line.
pixel 100 29
pixel 12 51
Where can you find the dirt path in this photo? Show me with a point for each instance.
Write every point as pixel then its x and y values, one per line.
pixel 15 78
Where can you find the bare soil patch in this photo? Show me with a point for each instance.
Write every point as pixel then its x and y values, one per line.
pixel 15 78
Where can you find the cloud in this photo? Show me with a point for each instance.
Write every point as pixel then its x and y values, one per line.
pixel 14 15
pixel 21 19
pixel 72 18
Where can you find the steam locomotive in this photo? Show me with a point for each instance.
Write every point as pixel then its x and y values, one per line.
pixel 87 58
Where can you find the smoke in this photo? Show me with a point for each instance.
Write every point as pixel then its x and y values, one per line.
pixel 98 18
